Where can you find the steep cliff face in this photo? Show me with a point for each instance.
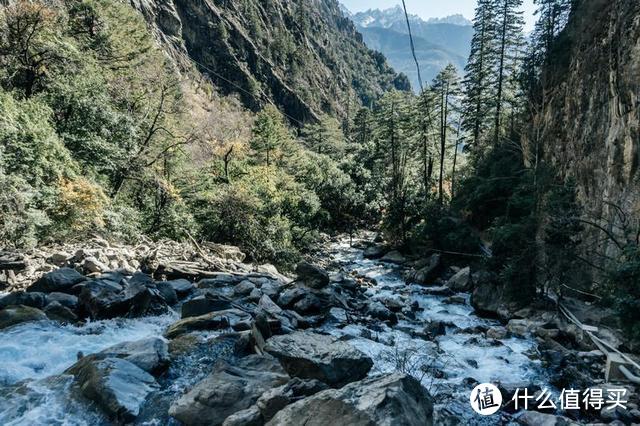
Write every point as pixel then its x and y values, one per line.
pixel 305 56
pixel 588 123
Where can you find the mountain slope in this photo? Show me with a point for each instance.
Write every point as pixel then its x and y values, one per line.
pixel 305 56
pixel 395 46
pixel 438 42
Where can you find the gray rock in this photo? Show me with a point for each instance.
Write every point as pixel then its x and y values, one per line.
pixel 308 304
pixel 338 315
pixel 291 295
pixel 92 265
pixel 68 300
pixel 312 276
pixel 276 399
pixel 228 390
pixel 461 281
pixel 59 280
pixel 435 328
pixel 375 251
pixel 220 279
pixel 31 299
pixel 394 256
pixel 248 417
pixel 150 354
pixel 244 288
pixel 59 258
pixel 497 333
pixel 219 320
pixel 182 287
pixel 426 271
pixel 315 356
pixel 269 305
pixel 14 315
pixel 118 386
pixel 377 310
pixel 167 292
pixel 203 305
pixel 55 311
pixel 101 299
pixel 392 399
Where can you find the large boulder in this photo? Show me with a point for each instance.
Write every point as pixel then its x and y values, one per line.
pixel 118 386
pixel 392 399
pixel 102 299
pixel 203 305
pixel 220 320
pixel 426 271
pixel 167 292
pixel 14 315
pixel 487 297
pixel 181 286
pixel 316 356
pixel 57 312
pixel 461 281
pixel 312 276
pixel 68 300
pixel 31 299
pixel 150 354
pixel 276 399
pixel 228 390
pixel 394 256
pixel 61 280
pixel 375 251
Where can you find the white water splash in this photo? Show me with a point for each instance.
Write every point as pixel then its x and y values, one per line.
pixel 40 349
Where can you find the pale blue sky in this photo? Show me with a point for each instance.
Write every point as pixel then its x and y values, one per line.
pixel 434 8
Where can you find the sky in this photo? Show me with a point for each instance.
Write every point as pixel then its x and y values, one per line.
pixel 434 8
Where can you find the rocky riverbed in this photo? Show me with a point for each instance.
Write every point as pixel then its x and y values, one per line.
pixel 370 338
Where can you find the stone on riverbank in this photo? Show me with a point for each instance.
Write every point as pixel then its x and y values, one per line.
pixel 310 355
pixel 228 390
pixel 392 399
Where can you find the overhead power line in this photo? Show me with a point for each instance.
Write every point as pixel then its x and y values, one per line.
pixel 413 49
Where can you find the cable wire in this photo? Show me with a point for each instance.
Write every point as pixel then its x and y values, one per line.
pixel 413 50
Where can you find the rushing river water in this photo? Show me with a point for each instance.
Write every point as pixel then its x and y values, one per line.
pixel 33 356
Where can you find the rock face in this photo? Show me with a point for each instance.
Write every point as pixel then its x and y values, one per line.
pixel 118 386
pixel 588 127
pixel 13 315
pixel 227 390
pixel 213 33
pixel 310 355
pixel 387 400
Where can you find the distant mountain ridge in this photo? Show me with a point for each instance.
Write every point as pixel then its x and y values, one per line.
pixel 438 41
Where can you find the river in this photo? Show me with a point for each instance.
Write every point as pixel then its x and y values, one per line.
pixel 33 356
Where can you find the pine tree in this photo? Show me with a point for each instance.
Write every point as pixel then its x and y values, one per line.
pixel 509 52
pixel 269 133
pixel 478 91
pixel 446 88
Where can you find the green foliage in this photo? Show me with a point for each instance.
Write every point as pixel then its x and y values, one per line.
pixel 443 230
pixel 29 145
pixel 21 218
pixel 624 289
